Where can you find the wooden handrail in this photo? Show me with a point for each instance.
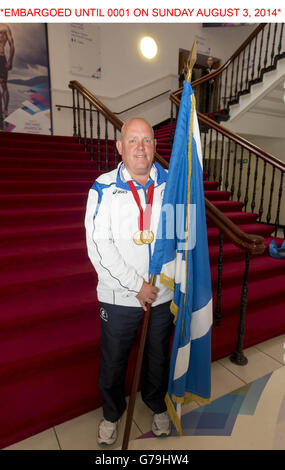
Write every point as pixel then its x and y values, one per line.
pixel 101 107
pixel 260 153
pixel 142 102
pixel 250 243
pixel 243 142
pixel 107 113
pixel 267 157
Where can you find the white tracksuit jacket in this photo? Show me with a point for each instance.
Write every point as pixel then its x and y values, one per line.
pixel 111 220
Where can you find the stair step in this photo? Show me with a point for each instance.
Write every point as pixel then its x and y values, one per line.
pixel 59 154
pixel 36 201
pixel 261 292
pixel 42 233
pixel 47 163
pixel 34 153
pixel 38 277
pixel 57 393
pixel 23 174
pixel 210 185
pixel 24 258
pixel 237 217
pixel 36 139
pixel 18 145
pixel 254 229
pixel 232 252
pixel 25 137
pixel 54 142
pixel 259 327
pixel 49 302
pixel 17 217
pixel 228 206
pixel 52 268
pixel 13 255
pixel 18 150
pixel 53 386
pixel 44 186
pixel 163 145
pixel 18 351
pixel 261 266
pixel 217 195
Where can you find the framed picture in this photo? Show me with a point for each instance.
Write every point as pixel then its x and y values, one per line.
pixel 25 79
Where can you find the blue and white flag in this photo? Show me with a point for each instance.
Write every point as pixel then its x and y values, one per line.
pixel 181 259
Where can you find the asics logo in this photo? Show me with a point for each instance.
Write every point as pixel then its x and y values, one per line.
pixel 119 191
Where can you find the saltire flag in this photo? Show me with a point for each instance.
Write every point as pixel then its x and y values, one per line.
pixel 181 259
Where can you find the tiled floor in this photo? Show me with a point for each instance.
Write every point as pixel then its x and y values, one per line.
pixel 80 433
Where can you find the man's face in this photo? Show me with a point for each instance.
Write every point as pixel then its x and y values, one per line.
pixel 137 147
pixel 210 61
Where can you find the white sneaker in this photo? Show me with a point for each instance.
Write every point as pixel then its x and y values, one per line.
pixel 107 432
pixel 161 425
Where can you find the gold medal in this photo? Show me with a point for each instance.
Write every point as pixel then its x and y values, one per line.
pixel 137 237
pixel 143 236
pixel 147 236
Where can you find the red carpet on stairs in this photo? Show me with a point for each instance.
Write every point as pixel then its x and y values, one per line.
pixel 49 312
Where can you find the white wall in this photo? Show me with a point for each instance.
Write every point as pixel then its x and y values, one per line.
pixel 127 78
pixel 274 146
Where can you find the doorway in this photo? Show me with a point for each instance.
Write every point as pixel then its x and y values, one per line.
pixel 199 67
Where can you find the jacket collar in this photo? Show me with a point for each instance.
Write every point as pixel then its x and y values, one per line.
pixel 157 176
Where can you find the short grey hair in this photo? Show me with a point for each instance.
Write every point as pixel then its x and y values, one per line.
pixel 125 124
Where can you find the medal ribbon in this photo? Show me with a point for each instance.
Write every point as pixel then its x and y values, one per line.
pixel 145 216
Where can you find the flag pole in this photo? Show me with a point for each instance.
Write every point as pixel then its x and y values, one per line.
pixel 191 61
pixel 130 411
pixel 137 374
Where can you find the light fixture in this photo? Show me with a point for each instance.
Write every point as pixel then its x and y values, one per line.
pixel 148 47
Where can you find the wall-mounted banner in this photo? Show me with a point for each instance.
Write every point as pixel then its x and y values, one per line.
pixel 85 50
pixel 25 83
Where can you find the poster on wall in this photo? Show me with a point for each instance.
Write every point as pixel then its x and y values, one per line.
pixel 85 50
pixel 25 83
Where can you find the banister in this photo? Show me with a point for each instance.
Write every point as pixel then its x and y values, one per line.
pixel 107 113
pixel 277 163
pixel 59 106
pixel 240 142
pixel 75 84
pixel 251 243
pixel 142 102
pixel 219 70
pixel 243 142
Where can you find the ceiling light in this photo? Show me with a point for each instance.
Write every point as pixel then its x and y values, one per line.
pixel 148 47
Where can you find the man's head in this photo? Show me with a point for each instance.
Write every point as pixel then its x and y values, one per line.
pixel 210 61
pixel 137 147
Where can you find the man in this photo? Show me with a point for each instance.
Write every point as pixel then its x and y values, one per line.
pixel 5 66
pixel 122 215
pixel 209 85
pixel 182 74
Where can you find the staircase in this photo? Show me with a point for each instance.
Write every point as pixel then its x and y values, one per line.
pixel 248 76
pixel 266 303
pixel 49 321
